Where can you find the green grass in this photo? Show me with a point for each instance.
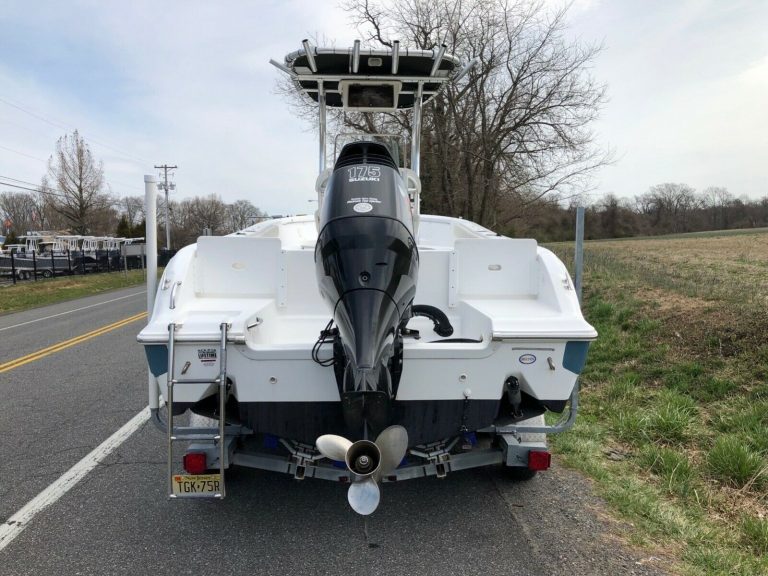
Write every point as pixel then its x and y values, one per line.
pixel 677 382
pixel 755 534
pixel 29 294
pixel 736 464
pixel 672 467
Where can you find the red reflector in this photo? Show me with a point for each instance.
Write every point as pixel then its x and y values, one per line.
pixel 539 460
pixel 195 462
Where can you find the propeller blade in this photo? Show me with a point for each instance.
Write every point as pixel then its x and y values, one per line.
pixel 392 443
pixel 333 447
pixel 364 496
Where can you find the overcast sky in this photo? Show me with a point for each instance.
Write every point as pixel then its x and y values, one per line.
pixel 189 83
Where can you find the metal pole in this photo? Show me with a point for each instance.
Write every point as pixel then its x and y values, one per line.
pixel 53 264
pixel 167 217
pixel 150 211
pixel 13 267
pixel 416 131
pixel 125 261
pixel 321 101
pixel 69 263
pixel 34 264
pixel 578 261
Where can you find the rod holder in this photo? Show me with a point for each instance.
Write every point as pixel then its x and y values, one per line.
pixel 356 57
pixel 464 71
pixel 282 67
pixel 395 56
pixel 438 59
pixel 310 56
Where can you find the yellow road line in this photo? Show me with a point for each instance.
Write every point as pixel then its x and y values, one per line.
pixel 11 364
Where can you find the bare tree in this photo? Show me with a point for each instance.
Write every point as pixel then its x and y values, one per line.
pixel 670 206
pixel 192 215
pixel 241 214
pixel 19 210
pixel 133 208
pixel 75 185
pixel 717 199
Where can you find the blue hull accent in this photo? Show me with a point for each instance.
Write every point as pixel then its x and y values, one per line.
pixel 575 356
pixel 157 358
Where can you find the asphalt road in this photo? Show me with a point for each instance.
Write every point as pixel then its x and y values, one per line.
pixel 117 520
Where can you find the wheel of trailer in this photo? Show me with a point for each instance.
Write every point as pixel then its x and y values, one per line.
pixel 47 273
pixel 519 473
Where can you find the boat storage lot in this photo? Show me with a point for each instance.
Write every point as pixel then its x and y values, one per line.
pixel 57 408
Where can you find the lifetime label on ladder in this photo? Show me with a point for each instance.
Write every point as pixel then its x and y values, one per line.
pixel 196 484
pixel 207 356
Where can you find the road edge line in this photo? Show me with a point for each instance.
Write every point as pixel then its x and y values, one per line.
pixel 12 527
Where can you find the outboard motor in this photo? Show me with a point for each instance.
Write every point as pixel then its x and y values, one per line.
pixel 367 264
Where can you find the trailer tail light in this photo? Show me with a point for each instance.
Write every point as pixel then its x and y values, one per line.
pixel 539 460
pixel 195 463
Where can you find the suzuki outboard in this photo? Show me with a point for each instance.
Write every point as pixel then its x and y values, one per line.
pixel 367 266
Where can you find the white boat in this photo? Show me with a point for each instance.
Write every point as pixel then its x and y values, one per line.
pixel 451 341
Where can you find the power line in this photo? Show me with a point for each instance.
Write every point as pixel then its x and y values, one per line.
pixel 34 188
pixel 58 124
pixel 22 154
pixel 112 182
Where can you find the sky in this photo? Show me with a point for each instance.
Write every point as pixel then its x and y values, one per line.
pixel 189 83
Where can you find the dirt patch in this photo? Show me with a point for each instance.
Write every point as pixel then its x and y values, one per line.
pixel 671 303
pixel 704 328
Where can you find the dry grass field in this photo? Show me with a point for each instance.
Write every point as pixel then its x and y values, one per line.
pixel 674 427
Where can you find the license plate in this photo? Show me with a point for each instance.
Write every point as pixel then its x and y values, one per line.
pixel 202 484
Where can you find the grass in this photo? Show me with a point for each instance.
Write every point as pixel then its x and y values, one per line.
pixel 733 463
pixel 677 383
pixel 26 295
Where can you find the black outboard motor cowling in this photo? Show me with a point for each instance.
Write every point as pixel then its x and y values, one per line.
pixel 367 262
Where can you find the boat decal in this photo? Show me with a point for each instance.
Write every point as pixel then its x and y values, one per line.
pixel 527 359
pixel 206 355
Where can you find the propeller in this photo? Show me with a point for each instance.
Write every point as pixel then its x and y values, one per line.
pixel 368 461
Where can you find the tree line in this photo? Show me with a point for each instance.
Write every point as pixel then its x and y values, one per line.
pixel 669 208
pixel 74 198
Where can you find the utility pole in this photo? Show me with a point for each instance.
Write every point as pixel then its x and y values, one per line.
pixel 165 186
